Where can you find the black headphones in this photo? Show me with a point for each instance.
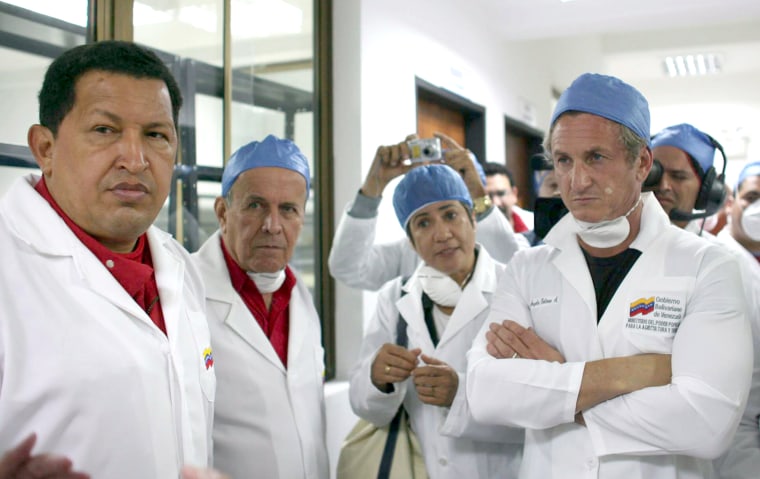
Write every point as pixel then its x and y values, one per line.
pixel 712 192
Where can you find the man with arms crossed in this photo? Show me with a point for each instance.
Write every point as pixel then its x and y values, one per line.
pixel 621 345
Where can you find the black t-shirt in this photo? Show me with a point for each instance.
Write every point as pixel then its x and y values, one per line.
pixel 607 274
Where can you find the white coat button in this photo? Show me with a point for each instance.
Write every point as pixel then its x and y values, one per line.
pixel 442 461
pixel 591 463
pixel 109 263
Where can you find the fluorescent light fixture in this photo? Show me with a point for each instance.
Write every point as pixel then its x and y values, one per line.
pixel 692 65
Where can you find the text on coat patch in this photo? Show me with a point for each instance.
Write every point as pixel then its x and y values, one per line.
pixel 657 314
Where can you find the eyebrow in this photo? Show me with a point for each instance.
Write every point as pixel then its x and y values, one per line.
pixel 117 119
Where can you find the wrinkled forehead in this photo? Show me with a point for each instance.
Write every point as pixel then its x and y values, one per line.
pixel 271 183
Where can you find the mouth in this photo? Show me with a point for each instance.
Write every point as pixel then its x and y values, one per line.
pixel 446 252
pixel 130 192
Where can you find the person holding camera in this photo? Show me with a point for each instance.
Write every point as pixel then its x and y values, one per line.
pixel 441 307
pixel 358 262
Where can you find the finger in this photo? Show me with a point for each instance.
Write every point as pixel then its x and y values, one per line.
pixel 502 348
pixel 395 156
pixel 447 142
pixel 12 460
pixel 411 137
pixel 48 465
pixel 431 360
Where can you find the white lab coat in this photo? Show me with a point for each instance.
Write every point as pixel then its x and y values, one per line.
pixel 657 432
pixel 742 459
pixel 483 451
pixel 83 366
pixel 269 422
pixel 359 262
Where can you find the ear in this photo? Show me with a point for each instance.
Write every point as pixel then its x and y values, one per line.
pixel 220 209
pixel 42 143
pixel 645 164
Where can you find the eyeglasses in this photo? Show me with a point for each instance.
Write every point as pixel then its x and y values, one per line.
pixel 493 194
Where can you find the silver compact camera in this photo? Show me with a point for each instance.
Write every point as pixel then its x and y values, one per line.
pixel 424 150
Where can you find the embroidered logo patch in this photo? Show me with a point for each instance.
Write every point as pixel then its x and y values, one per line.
pixel 642 306
pixel 208 357
pixel 658 314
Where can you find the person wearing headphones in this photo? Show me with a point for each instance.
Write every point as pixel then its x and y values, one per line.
pixel 684 179
pixel 689 190
pixel 742 235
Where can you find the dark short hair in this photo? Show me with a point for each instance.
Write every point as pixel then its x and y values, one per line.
pixel 491 169
pixel 57 95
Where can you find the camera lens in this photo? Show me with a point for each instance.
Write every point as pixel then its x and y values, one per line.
pixel 427 151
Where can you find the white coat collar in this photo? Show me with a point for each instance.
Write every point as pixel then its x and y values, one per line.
pixel 475 299
pixel 210 261
pixel 569 258
pixel 31 218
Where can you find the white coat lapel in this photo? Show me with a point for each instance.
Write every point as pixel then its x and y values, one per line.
pixel 170 274
pixel 470 305
pixel 221 295
pixel 410 307
pixel 300 313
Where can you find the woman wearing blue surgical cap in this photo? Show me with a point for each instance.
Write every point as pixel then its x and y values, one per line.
pixel 443 305
pixel 359 262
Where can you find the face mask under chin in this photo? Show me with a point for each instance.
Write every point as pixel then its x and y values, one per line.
pixel 608 233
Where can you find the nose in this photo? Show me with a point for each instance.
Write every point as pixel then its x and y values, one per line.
pixel 441 232
pixel 664 184
pixel 132 152
pixel 272 224
pixel 579 177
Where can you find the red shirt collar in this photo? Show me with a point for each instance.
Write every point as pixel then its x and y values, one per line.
pixel 132 270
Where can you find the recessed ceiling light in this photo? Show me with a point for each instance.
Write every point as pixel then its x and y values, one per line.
pixel 692 65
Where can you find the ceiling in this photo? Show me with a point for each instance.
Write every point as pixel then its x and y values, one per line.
pixel 636 35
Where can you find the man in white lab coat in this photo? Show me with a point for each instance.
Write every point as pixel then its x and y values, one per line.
pixel 742 235
pixel 656 354
pixel 106 364
pixel 359 262
pixel 444 304
pixel 269 416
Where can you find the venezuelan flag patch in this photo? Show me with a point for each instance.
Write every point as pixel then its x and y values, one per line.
pixel 208 357
pixel 642 306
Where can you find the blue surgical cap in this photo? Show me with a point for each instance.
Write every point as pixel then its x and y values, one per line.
pixel 426 185
pixel 687 138
pixel 272 151
pixel 750 169
pixel 608 97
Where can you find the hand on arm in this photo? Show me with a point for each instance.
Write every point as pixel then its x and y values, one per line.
pixel 436 382
pixel 508 340
pixel 19 463
pixel 605 379
pixel 387 165
pixel 392 364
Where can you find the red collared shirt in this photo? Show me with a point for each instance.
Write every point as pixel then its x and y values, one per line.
pixel 519 224
pixel 276 321
pixel 133 270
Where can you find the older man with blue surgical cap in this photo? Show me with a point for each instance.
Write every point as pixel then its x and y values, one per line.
pixel 356 260
pixel 269 413
pixel 621 345
pixel 440 307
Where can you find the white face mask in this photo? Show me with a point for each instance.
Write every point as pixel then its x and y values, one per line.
pixel 440 287
pixel 608 233
pixel 268 282
pixel 751 221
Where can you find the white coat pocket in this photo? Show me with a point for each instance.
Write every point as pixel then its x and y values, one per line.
pixel 653 318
